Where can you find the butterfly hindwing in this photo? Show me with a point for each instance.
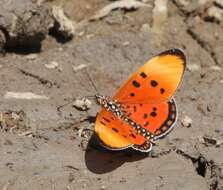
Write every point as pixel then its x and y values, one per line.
pixel 157 118
pixel 114 133
pixel 156 81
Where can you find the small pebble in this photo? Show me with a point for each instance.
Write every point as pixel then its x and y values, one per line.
pixel 216 13
pixel 79 67
pixel 82 104
pixel 145 28
pixel 193 67
pixel 84 185
pixel 183 2
pixel 103 187
pixel 31 56
pixel 15 116
pixel 126 43
pixel 215 68
pixel 89 36
pixel 186 121
pixel 213 140
pixel 66 27
pixel 60 49
pixel 52 65
pixel 81 33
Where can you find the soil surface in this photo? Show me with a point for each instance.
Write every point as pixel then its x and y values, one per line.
pixel 46 143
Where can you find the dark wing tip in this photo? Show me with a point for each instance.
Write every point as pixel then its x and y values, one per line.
pixel 175 51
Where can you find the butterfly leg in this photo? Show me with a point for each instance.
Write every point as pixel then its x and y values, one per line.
pixel 145 147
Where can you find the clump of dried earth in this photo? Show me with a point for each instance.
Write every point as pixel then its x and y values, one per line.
pixel 45 142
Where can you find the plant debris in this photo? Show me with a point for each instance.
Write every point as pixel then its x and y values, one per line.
pixel 123 4
pixel 24 95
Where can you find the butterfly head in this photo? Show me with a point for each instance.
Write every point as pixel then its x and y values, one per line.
pixel 102 100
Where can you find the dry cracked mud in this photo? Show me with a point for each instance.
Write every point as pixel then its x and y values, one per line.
pixel 46 143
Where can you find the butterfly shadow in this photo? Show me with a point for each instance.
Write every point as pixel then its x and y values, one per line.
pixel 99 160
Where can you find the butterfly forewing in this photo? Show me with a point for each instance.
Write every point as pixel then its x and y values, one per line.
pixel 156 81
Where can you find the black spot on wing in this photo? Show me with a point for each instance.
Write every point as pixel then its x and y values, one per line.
pixel 132 94
pixel 114 129
pixel 143 75
pixel 162 90
pixel 145 115
pixel 132 135
pixel 136 84
pixel 153 114
pixel 134 108
pixel 146 124
pixel 107 120
pixel 153 83
pixel 102 123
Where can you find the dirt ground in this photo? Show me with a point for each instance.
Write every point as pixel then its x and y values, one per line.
pixel 44 145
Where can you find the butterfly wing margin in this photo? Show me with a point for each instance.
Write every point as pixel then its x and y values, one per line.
pixel 147 146
pixel 110 139
pixel 156 81
pixel 172 116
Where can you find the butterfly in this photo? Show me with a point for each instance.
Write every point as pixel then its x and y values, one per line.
pixel 143 110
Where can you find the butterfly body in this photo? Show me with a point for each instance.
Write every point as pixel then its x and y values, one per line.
pixel 118 110
pixel 143 110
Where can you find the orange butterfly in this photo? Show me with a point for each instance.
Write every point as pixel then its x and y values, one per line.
pixel 143 110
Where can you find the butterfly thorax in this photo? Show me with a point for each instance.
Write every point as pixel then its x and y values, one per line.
pixel 110 105
pixel 119 111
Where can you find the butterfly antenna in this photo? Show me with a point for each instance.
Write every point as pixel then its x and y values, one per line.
pixel 91 80
pixel 88 97
pixel 64 105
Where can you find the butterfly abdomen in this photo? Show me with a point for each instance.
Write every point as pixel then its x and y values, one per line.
pixel 138 128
